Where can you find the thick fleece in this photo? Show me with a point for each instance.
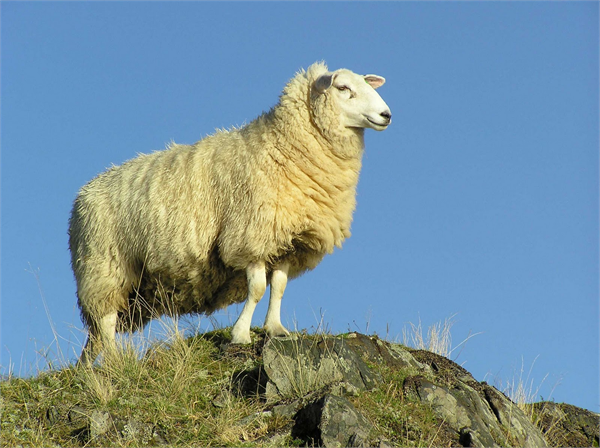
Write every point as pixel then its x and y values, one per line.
pixel 183 230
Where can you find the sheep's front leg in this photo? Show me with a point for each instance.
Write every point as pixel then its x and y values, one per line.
pixel 257 284
pixel 278 283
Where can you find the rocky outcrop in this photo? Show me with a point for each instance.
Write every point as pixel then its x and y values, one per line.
pixel 311 380
pixel 102 428
pixel 479 413
pixel 297 367
pixel 567 425
pixel 331 421
pixel 354 390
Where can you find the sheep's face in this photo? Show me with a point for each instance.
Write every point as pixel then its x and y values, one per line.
pixel 359 105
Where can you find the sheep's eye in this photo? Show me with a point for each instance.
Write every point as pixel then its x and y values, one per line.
pixel 342 88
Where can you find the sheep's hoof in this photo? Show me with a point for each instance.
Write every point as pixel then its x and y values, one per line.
pixel 241 338
pixel 277 331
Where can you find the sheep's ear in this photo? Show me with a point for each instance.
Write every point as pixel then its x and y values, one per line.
pixel 375 81
pixel 324 82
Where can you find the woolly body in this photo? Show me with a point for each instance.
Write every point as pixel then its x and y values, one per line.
pixel 179 231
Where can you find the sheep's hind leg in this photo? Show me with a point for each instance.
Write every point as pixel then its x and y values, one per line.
pixel 100 337
pixel 273 320
pixel 257 284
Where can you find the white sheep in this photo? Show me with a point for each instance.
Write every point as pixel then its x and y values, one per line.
pixel 195 228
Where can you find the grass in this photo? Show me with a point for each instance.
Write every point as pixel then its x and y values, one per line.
pixel 183 392
pixel 401 420
pixel 170 393
pixel 522 391
pixel 438 339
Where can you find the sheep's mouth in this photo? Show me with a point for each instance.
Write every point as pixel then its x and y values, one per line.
pixel 379 125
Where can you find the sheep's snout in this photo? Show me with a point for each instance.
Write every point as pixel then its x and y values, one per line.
pixel 387 116
pixel 381 122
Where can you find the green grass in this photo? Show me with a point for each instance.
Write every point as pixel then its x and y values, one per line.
pixel 179 388
pixel 401 420
pixel 181 391
pixel 184 392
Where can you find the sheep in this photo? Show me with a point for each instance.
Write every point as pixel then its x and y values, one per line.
pixel 195 228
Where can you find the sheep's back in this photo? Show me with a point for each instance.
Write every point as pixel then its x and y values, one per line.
pixel 154 214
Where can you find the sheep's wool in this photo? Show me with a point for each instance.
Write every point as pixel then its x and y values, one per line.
pixel 172 232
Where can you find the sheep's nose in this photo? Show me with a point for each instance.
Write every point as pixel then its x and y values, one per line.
pixel 387 115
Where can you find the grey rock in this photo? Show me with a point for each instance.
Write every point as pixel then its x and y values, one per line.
pixel 512 418
pixel 461 409
pixel 287 409
pixel 65 413
pixel 376 351
pixel 253 418
pixel 567 425
pixel 477 412
pixel 53 415
pixel 136 432
pixel 100 427
pixel 251 382
pixel 474 413
pixel 332 421
pixel 383 443
pixel 77 416
pixel 296 367
pixel 100 423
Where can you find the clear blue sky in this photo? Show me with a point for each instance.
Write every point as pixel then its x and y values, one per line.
pixel 481 198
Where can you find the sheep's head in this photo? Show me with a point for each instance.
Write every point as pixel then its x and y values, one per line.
pixel 354 99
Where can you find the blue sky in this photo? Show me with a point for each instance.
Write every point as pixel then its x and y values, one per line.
pixel 480 200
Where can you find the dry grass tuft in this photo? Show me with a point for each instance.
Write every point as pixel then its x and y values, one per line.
pixel 438 339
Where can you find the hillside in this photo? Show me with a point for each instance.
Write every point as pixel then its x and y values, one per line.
pixel 306 390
